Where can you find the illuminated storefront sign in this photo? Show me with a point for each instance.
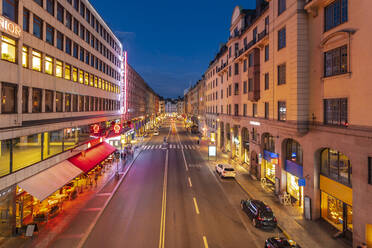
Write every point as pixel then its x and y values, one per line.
pixel 255 123
pixel 212 151
pixel 10 27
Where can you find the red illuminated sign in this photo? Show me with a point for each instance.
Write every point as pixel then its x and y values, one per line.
pixel 117 128
pixel 95 128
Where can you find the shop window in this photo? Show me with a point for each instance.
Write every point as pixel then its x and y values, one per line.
pixel 36 100
pixel 86 78
pixel 27 150
pixel 48 101
pixel 91 80
pixel 5 147
pixel 38 27
pixel 81 76
pixel 59 67
pixel 67 102
pixel 59 102
pixel 10 10
pixel 95 82
pixel 282 111
pixel 25 94
pixel 49 34
pixel 68 72
pixel 335 14
pixel 48 65
pixel 81 103
pixel 294 151
pixel 100 83
pixel 53 143
pixel 70 138
pixel 25 57
pixel 336 212
pixel 36 60
pixel 74 74
pixel 9 98
pixel 336 166
pixel 75 103
pixel 8 49
pixel 26 20
pixel 83 134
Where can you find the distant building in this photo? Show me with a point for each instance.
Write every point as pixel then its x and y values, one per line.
pixel 170 106
pixel 180 107
pixel 162 107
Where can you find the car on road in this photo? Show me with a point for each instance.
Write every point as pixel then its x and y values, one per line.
pixel 225 170
pixel 260 214
pixel 276 242
pixel 156 133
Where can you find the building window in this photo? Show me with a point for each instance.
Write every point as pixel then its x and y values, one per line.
pixel 48 101
pixel 48 65
pixel 50 6
pixel 76 27
pixel 335 111
pixel 25 57
pixel 267 85
pixel 82 31
pixel 58 68
pixel 81 76
pixel 76 50
pixel 370 170
pixel 40 2
pixel 68 46
pixel 336 165
pixel 245 65
pixel 86 78
pixel 254 110
pixel 49 34
pixel 67 102
pixel 59 102
pixel 236 71
pixel 75 103
pixel 68 72
pixel 281 6
pixel 81 54
pixel 8 49
pixel 81 103
pixel 250 60
pixel 236 89
pixel 266 52
pixel 230 71
pixel 60 13
pixel 10 10
pixel 38 27
pixel 281 38
pixel 87 58
pixel 335 14
pixel 245 87
pixel 25 94
pixel 36 60
pixel 281 74
pixel 335 61
pixel 60 41
pixel 244 109
pixel 250 85
pixel 82 9
pixel 76 5
pixel 74 74
pixel 68 20
pixel 282 111
pixel 36 100
pixel 236 109
pixel 267 110
pixel 8 98
pixel 26 20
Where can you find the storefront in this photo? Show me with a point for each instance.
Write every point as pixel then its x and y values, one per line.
pixel 295 181
pixel 245 146
pixel 269 163
pixel 7 196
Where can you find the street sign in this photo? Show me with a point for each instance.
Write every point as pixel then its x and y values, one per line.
pixel 212 151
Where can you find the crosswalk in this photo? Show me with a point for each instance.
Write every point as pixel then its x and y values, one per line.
pixel 170 146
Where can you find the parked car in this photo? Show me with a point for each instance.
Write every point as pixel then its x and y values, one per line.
pixel 276 242
pixel 260 214
pixel 225 170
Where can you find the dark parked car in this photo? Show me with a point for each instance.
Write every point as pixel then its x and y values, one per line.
pixel 280 243
pixel 260 214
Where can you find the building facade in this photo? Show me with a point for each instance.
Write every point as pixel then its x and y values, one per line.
pixel 180 107
pixel 170 106
pixel 279 98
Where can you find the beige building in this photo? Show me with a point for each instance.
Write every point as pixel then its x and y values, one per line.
pixel 279 97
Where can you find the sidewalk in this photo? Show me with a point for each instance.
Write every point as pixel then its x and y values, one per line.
pixel 71 209
pixel 291 221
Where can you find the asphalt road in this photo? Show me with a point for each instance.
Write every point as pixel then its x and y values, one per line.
pixel 164 202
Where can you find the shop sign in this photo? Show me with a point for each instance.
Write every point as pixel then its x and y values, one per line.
pixel 270 155
pixel 10 27
pixel 302 182
pixel 255 123
pixel 212 151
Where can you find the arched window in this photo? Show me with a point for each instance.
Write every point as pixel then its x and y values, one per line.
pixel 294 151
pixel 268 142
pixel 336 166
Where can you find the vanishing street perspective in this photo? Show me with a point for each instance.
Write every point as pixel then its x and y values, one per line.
pixel 185 124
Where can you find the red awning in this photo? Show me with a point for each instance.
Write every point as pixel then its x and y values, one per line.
pixel 92 156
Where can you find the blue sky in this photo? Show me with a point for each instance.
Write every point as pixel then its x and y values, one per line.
pixel 169 42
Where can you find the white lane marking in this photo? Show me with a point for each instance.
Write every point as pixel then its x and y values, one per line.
pixel 183 153
pixel 194 147
pixel 158 147
pixel 196 206
pixel 205 242
pixel 152 147
pixel 190 184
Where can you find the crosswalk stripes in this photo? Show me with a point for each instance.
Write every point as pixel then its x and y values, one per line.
pixel 170 146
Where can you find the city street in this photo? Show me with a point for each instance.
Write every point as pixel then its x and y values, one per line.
pixel 191 208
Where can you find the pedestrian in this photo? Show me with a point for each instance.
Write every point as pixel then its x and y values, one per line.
pixel 96 178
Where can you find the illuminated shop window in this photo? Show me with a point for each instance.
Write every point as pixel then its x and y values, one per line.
pixel 8 49
pixel 58 68
pixel 48 65
pixel 95 82
pixel 68 72
pixel 74 74
pixel 100 83
pixel 91 81
pixel 81 77
pixel 86 78
pixel 36 61
pixel 25 57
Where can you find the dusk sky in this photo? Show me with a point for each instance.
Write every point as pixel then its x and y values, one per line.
pixel 170 44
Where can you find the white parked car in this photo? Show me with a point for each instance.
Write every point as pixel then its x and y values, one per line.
pixel 225 170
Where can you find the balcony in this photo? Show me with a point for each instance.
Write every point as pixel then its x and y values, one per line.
pixel 254 93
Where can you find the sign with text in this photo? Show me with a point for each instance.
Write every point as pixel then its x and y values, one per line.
pixel 10 27
pixel 212 151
